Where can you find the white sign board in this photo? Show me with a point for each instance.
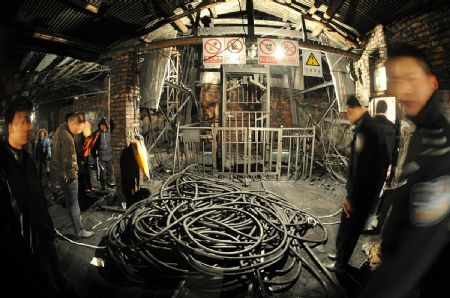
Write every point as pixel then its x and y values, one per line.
pixel 213 50
pixel 224 51
pixel 278 52
pixel 312 63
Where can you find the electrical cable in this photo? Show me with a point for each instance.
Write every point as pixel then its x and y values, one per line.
pixel 78 243
pixel 201 227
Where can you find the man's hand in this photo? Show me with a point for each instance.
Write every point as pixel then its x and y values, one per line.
pixel 347 208
pixel 72 176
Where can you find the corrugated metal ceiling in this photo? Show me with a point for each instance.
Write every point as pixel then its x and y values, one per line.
pixel 117 20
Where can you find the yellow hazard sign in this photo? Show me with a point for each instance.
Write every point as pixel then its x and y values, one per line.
pixel 312 63
pixel 312 60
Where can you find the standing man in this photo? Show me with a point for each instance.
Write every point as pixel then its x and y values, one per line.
pixel 29 262
pixel 64 166
pixel 43 153
pixel 103 150
pixel 386 126
pixel 415 246
pixel 366 174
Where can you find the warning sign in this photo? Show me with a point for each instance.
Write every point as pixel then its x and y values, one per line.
pixel 290 53
pixel 213 51
pixel 235 52
pixel 278 52
pixel 312 60
pixel 213 46
pixel 218 51
pixel 312 63
pixel 235 45
pixel 289 48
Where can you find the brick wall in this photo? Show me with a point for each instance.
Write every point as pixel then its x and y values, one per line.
pixel 94 107
pixel 280 108
pixel 210 96
pixel 210 99
pixel 123 90
pixel 374 53
pixel 428 30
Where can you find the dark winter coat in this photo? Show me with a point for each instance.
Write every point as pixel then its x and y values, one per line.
pixel 416 238
pixel 26 265
pixel 388 130
pixel 367 165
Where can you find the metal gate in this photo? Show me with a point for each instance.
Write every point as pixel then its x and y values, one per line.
pixel 281 153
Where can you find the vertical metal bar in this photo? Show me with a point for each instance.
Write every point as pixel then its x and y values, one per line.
pixel 305 158
pixel 279 146
pixel 214 149
pixel 176 150
pixel 289 159
pixel 224 157
pixel 229 152
pixel 271 144
pixel 264 151
pixel 312 152
pixel 296 156
pixel 203 157
pixel 236 158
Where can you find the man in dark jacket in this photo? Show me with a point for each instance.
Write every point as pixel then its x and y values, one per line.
pixel 103 150
pixel 43 153
pixel 29 263
pixel 64 167
pixel 386 126
pixel 415 246
pixel 366 174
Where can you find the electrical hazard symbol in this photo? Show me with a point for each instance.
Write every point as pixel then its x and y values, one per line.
pixel 312 61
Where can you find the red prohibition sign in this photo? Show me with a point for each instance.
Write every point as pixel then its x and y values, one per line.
pixel 289 48
pixel 213 46
pixel 235 45
pixel 267 46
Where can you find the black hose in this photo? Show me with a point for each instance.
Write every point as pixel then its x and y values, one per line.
pixel 200 227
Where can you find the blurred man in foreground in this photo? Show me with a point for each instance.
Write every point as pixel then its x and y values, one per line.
pixel 415 246
pixel 29 263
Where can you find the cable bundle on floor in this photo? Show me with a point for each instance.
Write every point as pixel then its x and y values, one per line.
pixel 199 227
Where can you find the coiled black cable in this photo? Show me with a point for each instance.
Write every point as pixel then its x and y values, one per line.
pixel 198 226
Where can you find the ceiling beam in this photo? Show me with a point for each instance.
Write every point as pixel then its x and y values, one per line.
pixel 83 6
pixel 325 27
pixel 332 9
pixel 45 62
pixel 190 41
pixel 320 86
pixel 168 12
pixel 239 21
pixel 98 12
pixel 60 39
pixel 212 12
pixel 251 20
pixel 146 30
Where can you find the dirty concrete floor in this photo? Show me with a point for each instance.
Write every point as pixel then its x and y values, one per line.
pixel 321 197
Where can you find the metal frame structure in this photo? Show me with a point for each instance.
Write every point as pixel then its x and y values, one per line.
pixel 177 95
pixel 280 153
pixel 246 82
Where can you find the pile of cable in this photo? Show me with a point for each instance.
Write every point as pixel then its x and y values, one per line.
pixel 199 227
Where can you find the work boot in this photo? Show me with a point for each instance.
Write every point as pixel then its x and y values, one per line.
pixel 335 267
pixel 85 234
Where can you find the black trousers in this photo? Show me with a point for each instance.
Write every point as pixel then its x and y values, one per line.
pixel 106 172
pixel 348 234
